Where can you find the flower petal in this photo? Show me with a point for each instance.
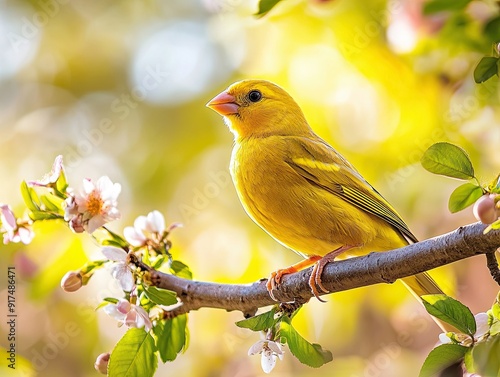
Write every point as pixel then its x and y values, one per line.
pixel 444 339
pixel 114 253
pixel 134 237
pixel 123 306
pixel 268 361
pixel 95 223
pixel 51 177
pixel 88 186
pixel 256 348
pixel 275 347
pixel 121 272
pixel 144 317
pixel 482 326
pixel 112 311
pixel 156 222
pixel 7 217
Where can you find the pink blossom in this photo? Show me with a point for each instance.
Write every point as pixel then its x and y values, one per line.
pixel 52 177
pixel 94 206
pixel 13 229
pixel 129 314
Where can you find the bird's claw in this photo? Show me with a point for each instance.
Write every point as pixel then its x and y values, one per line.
pixel 274 282
pixel 315 280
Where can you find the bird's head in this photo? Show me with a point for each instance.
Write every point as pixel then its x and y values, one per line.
pixel 259 108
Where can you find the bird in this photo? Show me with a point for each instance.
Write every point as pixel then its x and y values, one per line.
pixel 302 191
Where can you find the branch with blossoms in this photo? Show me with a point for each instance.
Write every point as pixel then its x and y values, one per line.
pixel 158 290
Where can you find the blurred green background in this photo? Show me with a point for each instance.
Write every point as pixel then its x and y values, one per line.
pixel 119 88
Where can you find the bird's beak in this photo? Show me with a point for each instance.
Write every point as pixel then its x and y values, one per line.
pixel 224 104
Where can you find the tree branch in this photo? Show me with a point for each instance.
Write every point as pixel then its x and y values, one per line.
pixel 374 268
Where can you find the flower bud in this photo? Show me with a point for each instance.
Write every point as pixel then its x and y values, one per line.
pixel 101 363
pixel 485 209
pixel 76 224
pixel 72 281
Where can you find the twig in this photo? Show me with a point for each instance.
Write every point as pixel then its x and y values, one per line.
pixel 491 262
pixel 373 268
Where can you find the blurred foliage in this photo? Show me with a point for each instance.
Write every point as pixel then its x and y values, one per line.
pixel 119 89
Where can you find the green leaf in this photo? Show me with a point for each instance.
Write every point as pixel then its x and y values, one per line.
pixel 450 311
pixel 171 337
pixel 495 328
pixel 485 357
pixel 160 296
pixel 106 301
pixel 134 355
pixel 41 215
pixel 463 196
pixel 265 6
pixel 486 68
pixel 259 322
pixel 495 309
pixel 61 184
pixel 115 240
pixel 181 270
pixel 52 203
pixel 160 259
pixel 447 159
pixel 435 6
pixel 440 358
pixel 30 197
pixel 468 361
pixel 310 354
pixel 109 242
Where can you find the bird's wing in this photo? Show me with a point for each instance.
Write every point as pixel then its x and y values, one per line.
pixel 323 167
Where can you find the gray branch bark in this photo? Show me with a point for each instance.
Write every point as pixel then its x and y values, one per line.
pixel 374 268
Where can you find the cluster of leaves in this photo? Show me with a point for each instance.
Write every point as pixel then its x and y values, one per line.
pixel 48 206
pixel 137 352
pixel 278 323
pixel 452 161
pixel 479 353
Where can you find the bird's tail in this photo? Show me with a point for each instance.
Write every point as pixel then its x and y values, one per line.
pixel 422 284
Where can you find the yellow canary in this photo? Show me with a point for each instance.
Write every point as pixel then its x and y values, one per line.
pixel 300 190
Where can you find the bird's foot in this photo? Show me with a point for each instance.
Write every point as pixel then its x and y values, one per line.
pixel 274 280
pixel 315 278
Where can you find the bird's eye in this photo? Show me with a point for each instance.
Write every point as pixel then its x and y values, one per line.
pixel 255 96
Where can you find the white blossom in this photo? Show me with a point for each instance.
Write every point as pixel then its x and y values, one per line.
pixel 270 351
pixel 120 269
